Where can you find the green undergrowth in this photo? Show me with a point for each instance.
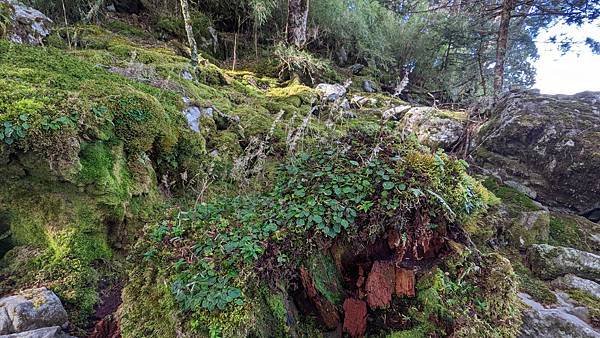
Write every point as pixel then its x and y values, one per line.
pixel 462 298
pixel 81 151
pixel 91 132
pixel 530 284
pixel 214 250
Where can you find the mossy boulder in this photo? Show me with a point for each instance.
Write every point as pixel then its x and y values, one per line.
pixel 25 24
pixel 433 127
pixel 549 262
pixel 547 144
pixel 574 231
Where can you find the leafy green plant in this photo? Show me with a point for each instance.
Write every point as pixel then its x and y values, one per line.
pixel 10 131
pixel 317 195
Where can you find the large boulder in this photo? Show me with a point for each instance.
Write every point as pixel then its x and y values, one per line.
pixel 548 145
pixel 433 127
pixel 26 25
pixel 561 321
pixel 549 262
pixel 30 310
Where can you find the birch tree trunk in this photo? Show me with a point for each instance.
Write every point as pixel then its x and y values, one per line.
pixel 190 33
pixel 297 22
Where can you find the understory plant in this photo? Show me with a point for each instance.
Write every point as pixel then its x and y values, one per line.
pixel 219 249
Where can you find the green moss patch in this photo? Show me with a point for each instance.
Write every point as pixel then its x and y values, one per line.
pixel 510 196
pixel 574 232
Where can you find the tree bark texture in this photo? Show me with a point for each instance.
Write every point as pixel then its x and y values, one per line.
pixel 501 44
pixel 297 22
pixel 190 33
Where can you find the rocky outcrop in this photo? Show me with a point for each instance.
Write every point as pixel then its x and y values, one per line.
pixel 32 313
pixel 561 321
pixel 433 127
pixel 27 25
pixel 549 262
pixel 573 282
pixel 548 146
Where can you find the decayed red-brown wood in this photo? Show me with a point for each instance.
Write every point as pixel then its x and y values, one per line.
pixel 394 239
pixel 355 317
pixel 405 282
pixel 380 284
pixel 326 310
pixel 107 328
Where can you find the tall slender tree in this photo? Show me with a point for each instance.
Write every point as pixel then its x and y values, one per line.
pixel 501 44
pixel 187 20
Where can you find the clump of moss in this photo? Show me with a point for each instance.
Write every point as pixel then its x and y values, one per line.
pixel 589 301
pixel 572 231
pixel 124 28
pixel 325 276
pixel 71 238
pixel 295 94
pixel 511 196
pixel 81 145
pixel 466 302
pixel 149 309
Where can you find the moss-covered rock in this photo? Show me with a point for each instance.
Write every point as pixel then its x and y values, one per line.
pixel 547 144
pixel 433 127
pixel 550 262
pixel 574 231
pixel 81 151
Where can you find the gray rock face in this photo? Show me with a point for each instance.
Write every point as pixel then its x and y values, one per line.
pixel 562 321
pixel 30 310
pixel 330 92
pixel 28 25
pixel 573 282
pixel 433 127
pixel 369 86
pixel 46 332
pixel 548 144
pixel 194 114
pixel 550 262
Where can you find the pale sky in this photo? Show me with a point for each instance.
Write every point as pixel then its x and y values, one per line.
pixel 574 72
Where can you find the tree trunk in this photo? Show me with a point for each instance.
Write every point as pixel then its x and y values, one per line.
pixel 190 33
pixel 480 65
pixel 297 22
pixel 501 45
pixel 95 8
